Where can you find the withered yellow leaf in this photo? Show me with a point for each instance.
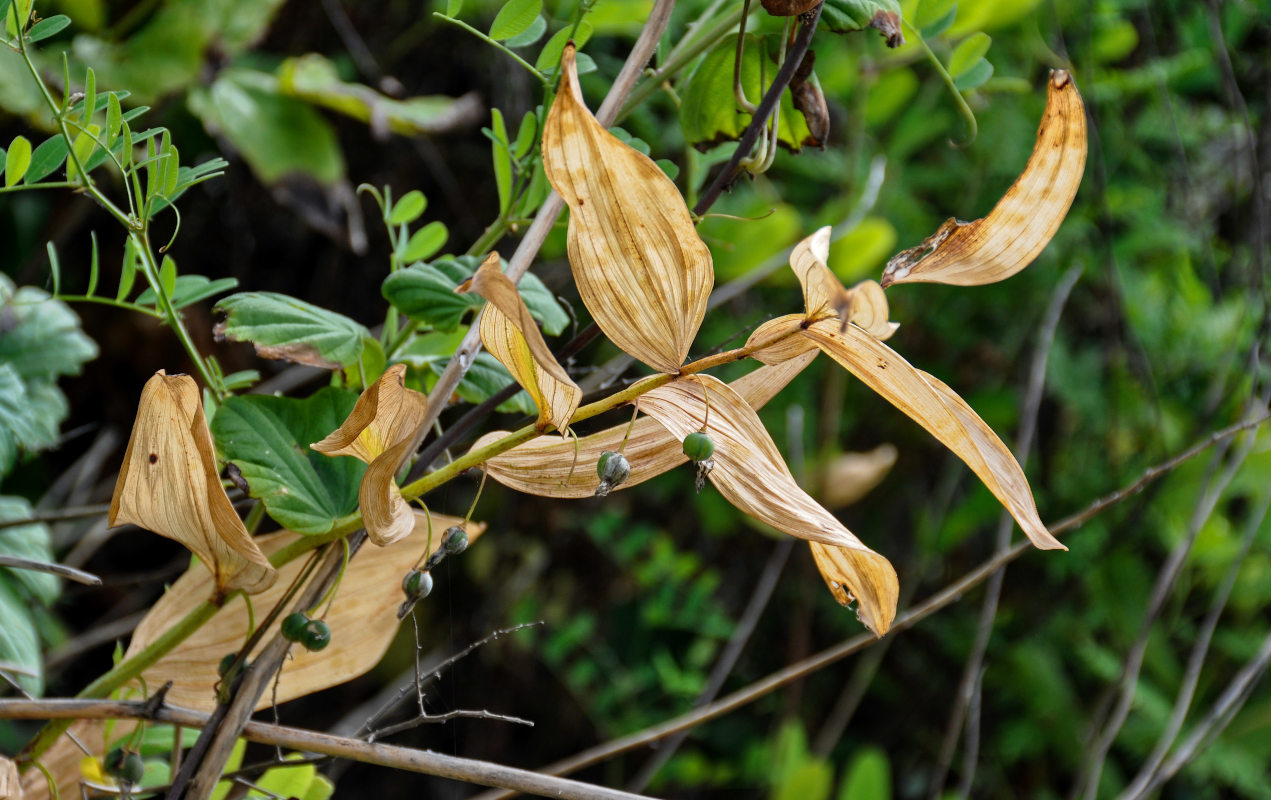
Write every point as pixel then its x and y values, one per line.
pixel 380 430
pixel 944 414
pixel 550 466
pixel 778 340
pixel 10 780
pixel 64 760
pixel 510 334
pixel 848 477
pixel 641 269
pixel 823 294
pixel 363 621
pixel 869 310
pixel 750 473
pixel 169 484
pixel 1023 222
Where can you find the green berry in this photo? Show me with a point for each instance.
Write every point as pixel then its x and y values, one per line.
pixel 293 626
pixel 698 446
pixel 417 585
pixel 125 766
pixel 227 661
pixel 455 541
pixel 316 635
pixel 613 468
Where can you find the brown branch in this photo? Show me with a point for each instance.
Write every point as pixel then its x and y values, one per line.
pixel 950 594
pixel 425 762
pixel 61 515
pixel 70 573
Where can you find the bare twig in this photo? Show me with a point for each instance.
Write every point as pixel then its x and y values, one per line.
pixel 62 514
pixel 70 573
pixel 950 594
pixel 458 713
pixel 973 671
pixel 426 762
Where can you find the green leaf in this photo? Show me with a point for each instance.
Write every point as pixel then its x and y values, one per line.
pixel 845 16
pixel 409 208
pixel 47 27
pixel 32 542
pixel 502 159
pixel 190 289
pixel 128 271
pixel 868 776
pixel 90 97
pixel 276 135
pixel 281 326
pixel 526 135
pixel 934 17
pixel 114 118
pixel 83 147
pixel 168 276
pixel 19 643
pixel 42 337
pixel 268 439
pixel 808 780
pixel 425 242
pixel 543 305
pixel 708 111
pixel 17 160
pixel 514 18
pixel 483 379
pixel 288 781
pixel 549 56
pixel 453 7
pixel 968 52
pixel 975 76
pixel 94 267
pixel 426 292
pixel 321 788
pixel 530 35
pixel 50 155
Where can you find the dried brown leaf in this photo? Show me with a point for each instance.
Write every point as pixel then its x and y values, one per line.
pixel 1021 225
pixel 551 467
pixel 511 335
pixel 778 340
pixel 10 780
pixel 363 621
pixel 865 304
pixel 848 477
pixel 641 269
pixel 870 311
pixel 65 761
pixel 944 414
pixel 750 473
pixel 380 431
pixel 169 484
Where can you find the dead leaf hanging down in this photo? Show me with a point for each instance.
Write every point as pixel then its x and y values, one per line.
pixel 381 432
pixel 363 621
pixel 750 473
pixel 944 414
pixel 550 466
pixel 169 484
pixel 848 477
pixel 642 271
pixel 10 781
pixel 1020 226
pixel 511 335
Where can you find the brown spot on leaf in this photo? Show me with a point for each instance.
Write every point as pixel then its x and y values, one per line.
pixel 154 458
pixel 888 24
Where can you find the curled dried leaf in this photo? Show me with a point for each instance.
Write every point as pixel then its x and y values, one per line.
pixel 808 99
pixel 553 466
pixel 869 310
pixel 750 473
pixel 642 271
pixel 944 414
pixel 363 621
pixel 510 334
pixel 380 430
pixel 824 296
pixel 778 340
pixel 169 484
pixel 848 477
pixel 1023 222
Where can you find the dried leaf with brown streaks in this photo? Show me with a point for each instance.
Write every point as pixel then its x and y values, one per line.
pixel 944 414
pixel 779 339
pixel 169 484
pixel 750 473
pixel 641 269
pixel 380 430
pixel 510 334
pixel 363 621
pixel 1022 223
pixel 550 466
pixel 865 304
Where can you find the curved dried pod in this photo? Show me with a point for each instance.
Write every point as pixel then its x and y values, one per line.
pixel 511 335
pixel 555 466
pixel 380 430
pixel 642 271
pixel 363 621
pixel 169 484
pixel 1023 222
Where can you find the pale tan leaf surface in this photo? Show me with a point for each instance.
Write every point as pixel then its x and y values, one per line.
pixel 869 310
pixel 641 269
pixel 848 477
pixel 546 466
pixel 778 340
pixel 750 473
pixel 169 484
pixel 942 412
pixel 511 335
pixel 380 430
pixel 363 621
pixel 1022 223
pixel 10 780
pixel 823 294
pixel 64 757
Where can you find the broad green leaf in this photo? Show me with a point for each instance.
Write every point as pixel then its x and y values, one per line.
pixel 549 56
pixel 19 643
pixel 530 35
pixel 426 292
pixel 42 336
pixel 283 327
pixel 809 780
pixel 90 97
pixel 845 16
pixel 288 781
pixel 268 439
pixel 515 17
pixel 48 27
pixel 974 77
pixel 321 788
pixel 502 159
pixel 425 242
pixel 708 111
pixel 168 276
pixel 276 135
pixel 409 208
pixel 48 156
pixel 453 7
pixel 483 379
pixel 934 17
pixel 114 118
pixel 32 542
pixel 526 135
pixel 190 289
pixel 862 250
pixel 868 776
pixel 968 52
pixel 17 160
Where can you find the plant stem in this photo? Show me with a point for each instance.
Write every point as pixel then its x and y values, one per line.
pixel 949 83
pixel 497 45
